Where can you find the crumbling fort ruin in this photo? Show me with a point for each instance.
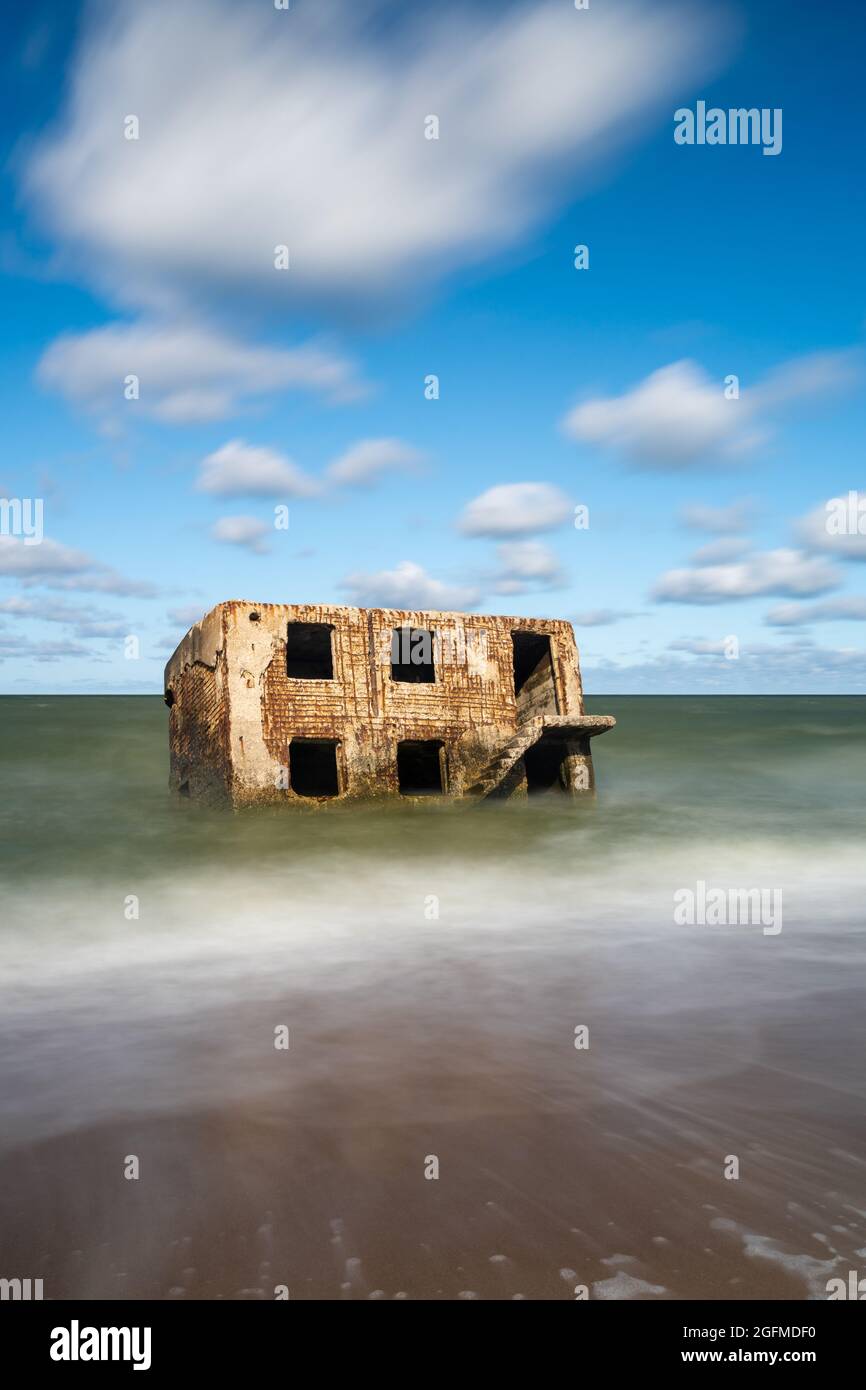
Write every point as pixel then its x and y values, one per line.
pixel 312 704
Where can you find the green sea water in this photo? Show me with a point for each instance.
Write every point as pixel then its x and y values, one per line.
pixel 85 778
pixel 506 988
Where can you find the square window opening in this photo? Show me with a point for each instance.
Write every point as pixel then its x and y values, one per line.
pixel 313 767
pixel 421 767
pixel 412 656
pixel 309 655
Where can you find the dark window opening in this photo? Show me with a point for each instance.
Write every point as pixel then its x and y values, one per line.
pixel 412 656
pixel 420 767
pixel 533 673
pixel 530 649
pixel 308 652
pixel 544 770
pixel 255 617
pixel 313 767
pixel 169 697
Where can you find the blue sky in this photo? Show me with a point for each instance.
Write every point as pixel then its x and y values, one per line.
pixel 706 564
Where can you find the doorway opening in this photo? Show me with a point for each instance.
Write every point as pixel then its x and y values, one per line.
pixel 420 767
pixel 313 767
pixel 534 687
pixel 544 767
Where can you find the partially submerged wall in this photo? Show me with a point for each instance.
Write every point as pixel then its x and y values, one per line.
pixel 195 692
pixel 236 709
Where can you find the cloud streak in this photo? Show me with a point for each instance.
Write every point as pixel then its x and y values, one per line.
pixel 255 131
pixel 185 373
pixel 787 573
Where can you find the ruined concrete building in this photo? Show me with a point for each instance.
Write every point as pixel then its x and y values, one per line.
pixel 307 704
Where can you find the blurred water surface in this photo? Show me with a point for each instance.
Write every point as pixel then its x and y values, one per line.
pixel 431 967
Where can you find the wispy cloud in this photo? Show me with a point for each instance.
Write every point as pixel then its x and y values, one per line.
pixel 187 615
pixel 256 131
pixel 837 527
pixel 525 566
pixel 25 649
pixel 603 617
pixel 787 573
pixel 721 551
pixel 795 666
pixel 679 417
pixel 408 585
pixel 85 621
pixel 365 462
pixel 55 566
pixel 185 373
pixel 701 646
pixel 722 521
pixel 846 608
pixel 246 531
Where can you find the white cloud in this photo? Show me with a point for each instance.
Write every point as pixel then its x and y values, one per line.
pixel 23 649
pixel 782 572
pixel 257 129
pixel 673 418
pixel 680 417
pixel 367 460
pixel 795 666
pixel 55 566
pixel 701 646
pixel 526 565
pixel 246 531
pixel 86 622
pixel 187 373
pixel 102 580
pixel 239 469
pixel 30 561
pixel 515 509
pixel 849 607
pixel 837 527
pixel 407 586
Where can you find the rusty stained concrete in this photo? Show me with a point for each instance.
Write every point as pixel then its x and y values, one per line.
pixel 235 711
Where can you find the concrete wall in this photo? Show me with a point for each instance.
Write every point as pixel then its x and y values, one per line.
pixel 196 691
pixel 237 709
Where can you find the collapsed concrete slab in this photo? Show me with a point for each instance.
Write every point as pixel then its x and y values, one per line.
pixel 312 704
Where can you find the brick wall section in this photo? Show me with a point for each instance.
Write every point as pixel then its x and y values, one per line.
pixel 198 719
pixel 198 731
